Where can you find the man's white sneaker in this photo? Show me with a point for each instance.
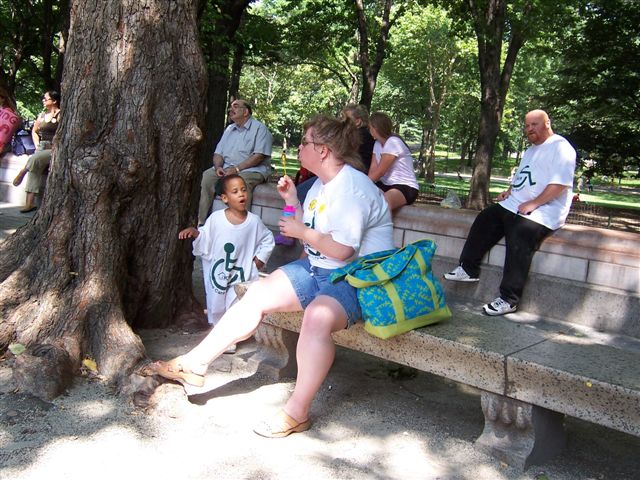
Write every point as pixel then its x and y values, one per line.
pixel 459 275
pixel 499 307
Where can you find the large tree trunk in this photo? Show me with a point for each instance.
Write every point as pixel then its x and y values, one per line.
pixel 102 254
pixel 489 23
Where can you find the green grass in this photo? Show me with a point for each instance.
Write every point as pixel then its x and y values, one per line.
pixel 629 200
pixel 607 194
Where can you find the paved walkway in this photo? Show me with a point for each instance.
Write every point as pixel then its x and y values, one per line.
pixel 11 218
pixel 369 422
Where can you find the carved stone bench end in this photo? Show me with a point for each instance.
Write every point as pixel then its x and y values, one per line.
pixel 518 433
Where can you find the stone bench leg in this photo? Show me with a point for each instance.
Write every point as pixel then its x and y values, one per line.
pixel 276 354
pixel 518 433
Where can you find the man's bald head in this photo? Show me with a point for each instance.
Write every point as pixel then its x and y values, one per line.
pixel 537 126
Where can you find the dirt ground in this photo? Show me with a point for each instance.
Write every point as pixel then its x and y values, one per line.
pixel 370 422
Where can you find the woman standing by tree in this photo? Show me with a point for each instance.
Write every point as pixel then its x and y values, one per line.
pixel 43 132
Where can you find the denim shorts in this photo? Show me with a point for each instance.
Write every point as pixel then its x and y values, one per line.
pixel 309 282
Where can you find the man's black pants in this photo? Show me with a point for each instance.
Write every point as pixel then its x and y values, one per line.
pixel 522 238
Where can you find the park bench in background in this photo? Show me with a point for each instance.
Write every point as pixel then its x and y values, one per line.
pixel 10 165
pixel 572 349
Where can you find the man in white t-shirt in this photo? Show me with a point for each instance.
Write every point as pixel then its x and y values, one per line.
pixel 536 204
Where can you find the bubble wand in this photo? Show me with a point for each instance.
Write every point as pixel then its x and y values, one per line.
pixel 283 158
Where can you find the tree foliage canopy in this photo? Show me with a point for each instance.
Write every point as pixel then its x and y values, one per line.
pixel 598 84
pixel 295 58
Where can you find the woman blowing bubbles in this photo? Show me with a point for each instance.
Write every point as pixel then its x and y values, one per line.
pixel 344 216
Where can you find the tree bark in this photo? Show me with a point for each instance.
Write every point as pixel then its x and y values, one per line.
pixel 102 254
pixel 371 69
pixel 236 70
pixel 64 36
pixel 489 26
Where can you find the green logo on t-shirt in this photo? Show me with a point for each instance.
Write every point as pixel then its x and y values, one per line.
pixel 523 177
pixel 228 273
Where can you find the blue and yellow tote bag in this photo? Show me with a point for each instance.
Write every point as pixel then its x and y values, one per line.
pixel 397 291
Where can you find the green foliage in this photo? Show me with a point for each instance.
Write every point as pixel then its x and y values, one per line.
pixel 422 48
pixel 598 84
pixel 30 32
pixel 286 96
pixel 313 69
pixel 319 33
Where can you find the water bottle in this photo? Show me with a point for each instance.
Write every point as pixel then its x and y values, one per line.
pixel 287 211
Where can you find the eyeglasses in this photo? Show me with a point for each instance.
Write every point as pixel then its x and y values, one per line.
pixel 44 99
pixel 304 142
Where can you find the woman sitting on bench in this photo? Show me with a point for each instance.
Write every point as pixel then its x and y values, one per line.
pixel 344 216
pixel 43 131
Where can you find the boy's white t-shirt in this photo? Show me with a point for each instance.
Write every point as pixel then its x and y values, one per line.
pixel 553 161
pixel 401 171
pixel 227 253
pixel 353 211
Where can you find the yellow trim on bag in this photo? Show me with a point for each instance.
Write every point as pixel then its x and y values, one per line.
pixel 388 331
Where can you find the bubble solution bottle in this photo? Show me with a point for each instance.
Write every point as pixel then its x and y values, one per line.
pixel 287 211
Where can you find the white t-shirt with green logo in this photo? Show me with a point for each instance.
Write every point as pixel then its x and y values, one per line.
pixel 353 211
pixel 227 252
pixel 553 161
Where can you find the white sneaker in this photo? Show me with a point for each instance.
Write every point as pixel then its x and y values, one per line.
pixel 459 275
pixel 499 307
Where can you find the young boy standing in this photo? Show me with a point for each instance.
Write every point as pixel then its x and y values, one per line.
pixel 233 245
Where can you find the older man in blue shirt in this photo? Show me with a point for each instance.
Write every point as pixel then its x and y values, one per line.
pixel 245 149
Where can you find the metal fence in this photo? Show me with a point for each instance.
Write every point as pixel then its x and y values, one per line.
pixel 581 213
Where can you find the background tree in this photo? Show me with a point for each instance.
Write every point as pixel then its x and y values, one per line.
pixel 319 34
pixel 219 21
pixel 597 93
pixel 378 27
pixel 495 21
pixel 32 39
pixel 101 256
pixel 312 67
pixel 419 68
pixel 459 122
pixel 257 42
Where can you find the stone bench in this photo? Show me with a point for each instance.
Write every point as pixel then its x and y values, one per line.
pixel 530 373
pixel 573 348
pixel 10 165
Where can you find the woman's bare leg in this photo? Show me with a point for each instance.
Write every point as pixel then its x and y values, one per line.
pixel 315 352
pixel 269 294
pixel 395 199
